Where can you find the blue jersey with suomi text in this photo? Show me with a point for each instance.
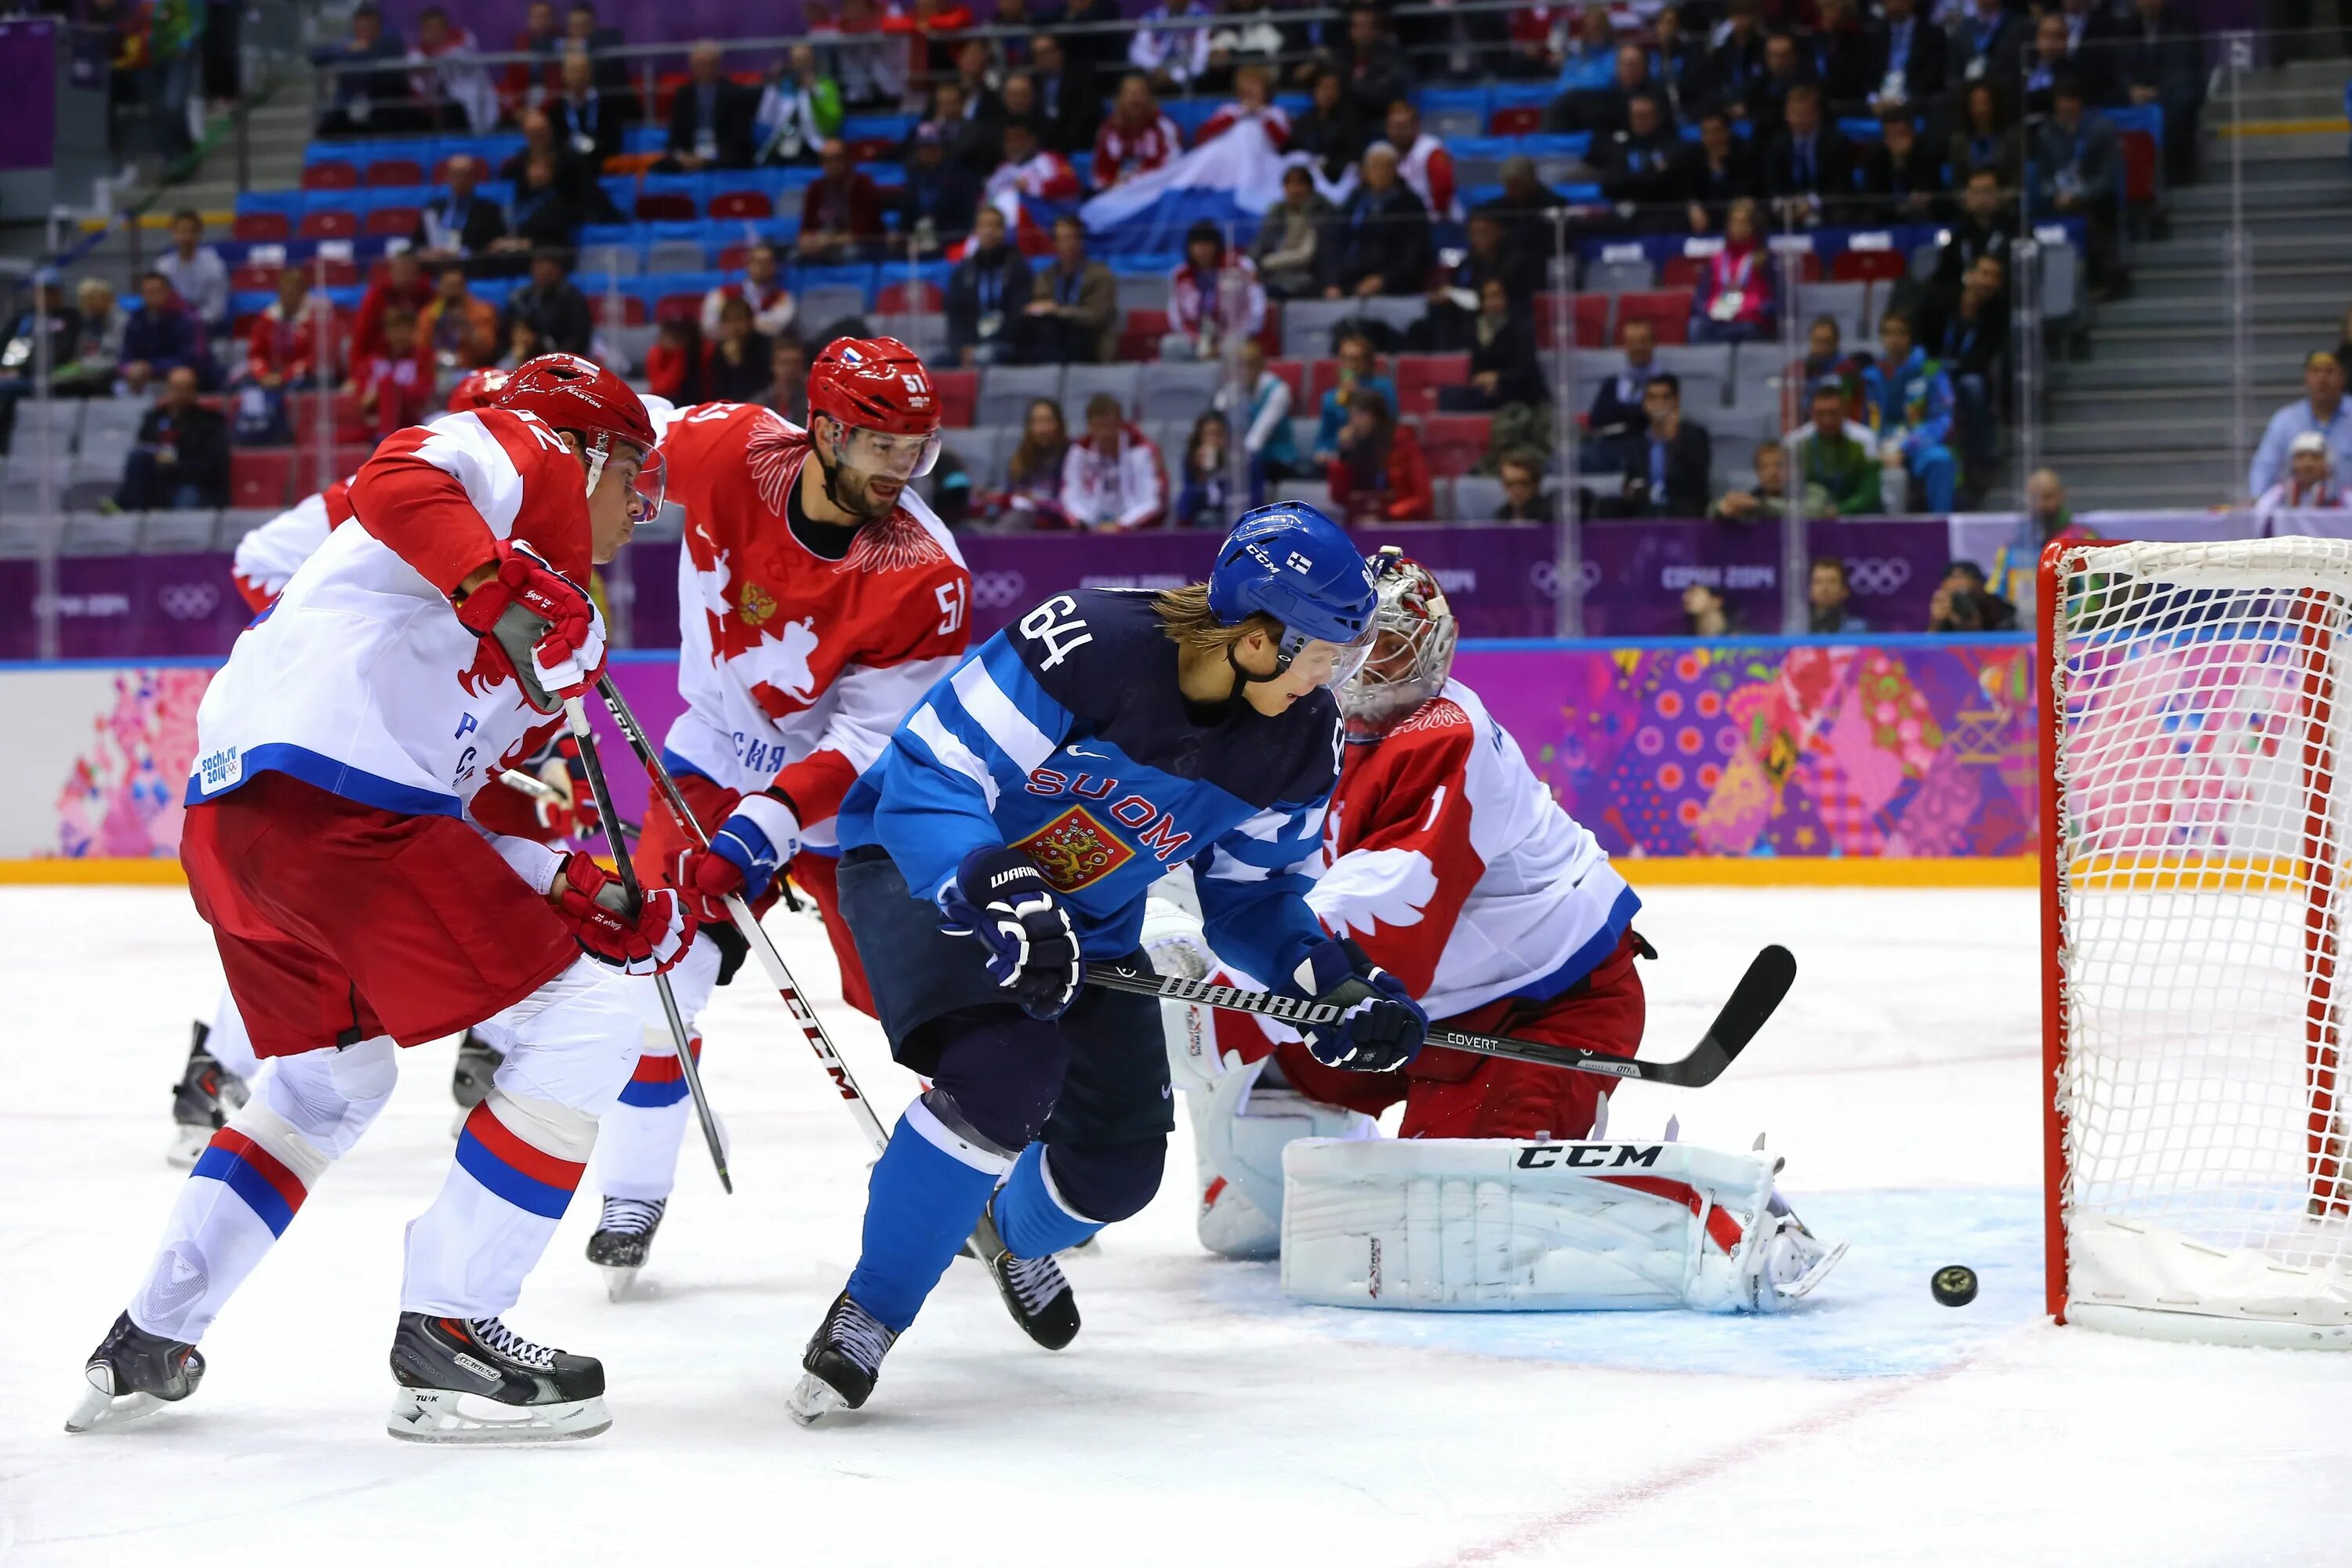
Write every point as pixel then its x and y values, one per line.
pixel 1066 736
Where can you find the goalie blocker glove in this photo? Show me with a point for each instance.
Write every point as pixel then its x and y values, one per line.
pixel 999 896
pixel 757 840
pixel 540 620
pixel 596 905
pixel 1381 1027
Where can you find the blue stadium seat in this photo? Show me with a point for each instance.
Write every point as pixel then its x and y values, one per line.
pixel 1524 94
pixel 1477 100
pixel 1189 114
pixel 876 127
pixel 644 139
pixel 288 203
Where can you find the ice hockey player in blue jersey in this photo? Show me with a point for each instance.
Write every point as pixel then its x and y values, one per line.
pixel 1010 831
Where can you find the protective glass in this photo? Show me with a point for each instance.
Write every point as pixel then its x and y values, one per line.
pixel 887 456
pixel 1329 664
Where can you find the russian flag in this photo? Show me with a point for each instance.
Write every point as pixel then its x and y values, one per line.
pixel 254 1174
pixel 1230 181
pixel 525 1176
pixel 658 1080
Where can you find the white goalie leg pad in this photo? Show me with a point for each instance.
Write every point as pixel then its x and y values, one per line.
pixel 1498 1225
pixel 1240 1126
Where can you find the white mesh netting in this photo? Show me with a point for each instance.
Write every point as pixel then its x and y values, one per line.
pixel 2203 821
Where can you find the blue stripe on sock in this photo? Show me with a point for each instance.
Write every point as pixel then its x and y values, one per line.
pixel 526 1193
pixel 919 1205
pixel 248 1184
pixel 1031 1223
pixel 653 1096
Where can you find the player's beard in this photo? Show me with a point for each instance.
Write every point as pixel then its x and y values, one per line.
pixel 861 494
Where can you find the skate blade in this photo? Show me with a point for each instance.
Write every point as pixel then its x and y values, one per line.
pixel 188 1145
pixel 813 1398
pixel 619 1282
pixel 100 1405
pixel 1803 1286
pixel 445 1416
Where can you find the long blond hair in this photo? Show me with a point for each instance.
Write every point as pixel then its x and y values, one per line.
pixel 1184 616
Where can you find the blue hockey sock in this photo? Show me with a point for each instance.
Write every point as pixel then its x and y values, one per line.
pixel 1032 1218
pixel 927 1192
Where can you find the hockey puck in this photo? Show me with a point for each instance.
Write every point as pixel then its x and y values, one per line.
pixel 1955 1284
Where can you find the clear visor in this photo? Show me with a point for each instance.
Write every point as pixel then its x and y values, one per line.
pixel 1329 664
pixel 647 490
pixel 886 456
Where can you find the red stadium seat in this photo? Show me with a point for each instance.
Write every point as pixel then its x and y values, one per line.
pixel 260 477
pixel 1682 271
pixel 742 203
pixel 1666 309
pixel 389 222
pixel 1322 377
pixel 302 416
pixel 872 149
pixel 1868 266
pixel 396 172
pixel 1591 316
pixel 1140 338
pixel 666 206
pixel 1418 377
pixel 335 176
pixel 2139 167
pixel 680 307
pixel 1523 121
pixel 341 271
pixel 959 392
pixel 1455 443
pixel 251 275
pixel 260 227
pixel 334 224
pixel 1295 372
pixel 631 312
pixel 900 299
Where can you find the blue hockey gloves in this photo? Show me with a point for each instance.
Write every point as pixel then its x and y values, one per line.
pixel 1383 1028
pixel 1001 897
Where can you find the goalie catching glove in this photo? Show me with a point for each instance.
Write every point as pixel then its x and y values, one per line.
pixel 999 896
pixel 758 840
pixel 543 626
pixel 1380 1026
pixel 596 905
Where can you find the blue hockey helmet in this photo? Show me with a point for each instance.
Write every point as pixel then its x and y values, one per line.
pixel 1292 562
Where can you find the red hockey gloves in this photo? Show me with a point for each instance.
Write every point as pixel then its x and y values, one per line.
pixel 595 904
pixel 1381 1028
pixel 544 626
pixel 1001 897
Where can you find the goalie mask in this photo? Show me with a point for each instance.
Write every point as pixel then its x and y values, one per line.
pixel 1413 649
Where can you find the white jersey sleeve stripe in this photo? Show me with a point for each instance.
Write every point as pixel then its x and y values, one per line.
pixel 999 719
pixel 924 725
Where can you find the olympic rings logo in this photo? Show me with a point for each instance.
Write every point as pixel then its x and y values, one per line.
pixel 998 590
pixel 1875 576
pixel 1544 576
pixel 188 601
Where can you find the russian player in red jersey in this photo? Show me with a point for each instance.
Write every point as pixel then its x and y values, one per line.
pixel 357 907
pixel 820 597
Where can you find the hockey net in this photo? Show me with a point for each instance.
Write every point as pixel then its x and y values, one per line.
pixel 2194 761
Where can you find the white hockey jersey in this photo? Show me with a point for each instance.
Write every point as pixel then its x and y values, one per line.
pixel 1450 862
pixel 359 679
pixel 795 668
pixel 268 558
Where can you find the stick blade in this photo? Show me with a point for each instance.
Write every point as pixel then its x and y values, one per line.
pixel 1753 1001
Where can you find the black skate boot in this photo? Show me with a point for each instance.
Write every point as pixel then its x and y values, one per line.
pixel 625 1234
pixel 201 1101
pixel 132 1374
pixel 1034 1291
pixel 843 1360
pixel 470 1083
pixel 474 1380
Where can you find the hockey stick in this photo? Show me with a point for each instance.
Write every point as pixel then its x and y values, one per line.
pixel 1759 992
pixel 576 712
pixel 522 782
pixel 748 924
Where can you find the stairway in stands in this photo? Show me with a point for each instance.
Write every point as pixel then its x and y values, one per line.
pixel 2145 419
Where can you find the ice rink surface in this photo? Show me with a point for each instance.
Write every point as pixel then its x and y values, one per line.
pixel 1200 1419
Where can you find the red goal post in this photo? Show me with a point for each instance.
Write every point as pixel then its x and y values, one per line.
pixel 2194 829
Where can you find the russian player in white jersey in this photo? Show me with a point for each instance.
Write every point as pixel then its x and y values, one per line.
pixel 1449 862
pixel 220 1068
pixel 357 907
pixel 819 599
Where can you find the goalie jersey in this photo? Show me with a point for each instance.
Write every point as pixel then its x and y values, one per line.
pixel 1066 736
pixel 795 663
pixel 1452 866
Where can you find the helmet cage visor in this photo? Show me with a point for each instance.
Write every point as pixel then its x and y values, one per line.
pixel 882 454
pixel 1329 664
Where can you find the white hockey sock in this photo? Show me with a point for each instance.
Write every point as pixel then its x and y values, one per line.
pixel 637 1149
pixel 229 1044
pixel 253 1176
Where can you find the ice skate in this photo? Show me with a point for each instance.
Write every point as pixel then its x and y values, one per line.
pixel 133 1374
pixel 625 1234
pixel 470 1081
pixel 1034 1290
pixel 844 1360
pixel 474 1380
pixel 201 1100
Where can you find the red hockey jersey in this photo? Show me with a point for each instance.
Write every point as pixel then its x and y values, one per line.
pixel 1451 863
pixel 795 668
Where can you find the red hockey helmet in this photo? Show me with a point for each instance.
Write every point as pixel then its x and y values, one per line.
pixel 476 389
pixel 877 390
pixel 566 392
